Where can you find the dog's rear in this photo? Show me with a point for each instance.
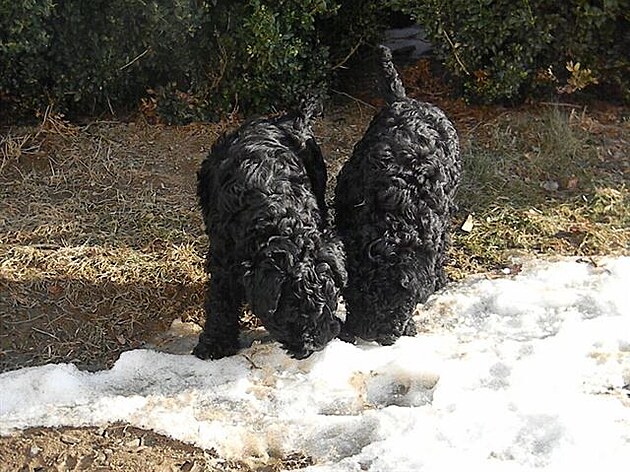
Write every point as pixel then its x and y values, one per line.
pixel 393 202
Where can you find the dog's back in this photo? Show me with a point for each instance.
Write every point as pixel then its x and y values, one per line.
pixel 266 171
pixel 408 159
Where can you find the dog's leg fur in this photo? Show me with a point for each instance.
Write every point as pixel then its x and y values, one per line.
pixel 441 279
pixel 223 307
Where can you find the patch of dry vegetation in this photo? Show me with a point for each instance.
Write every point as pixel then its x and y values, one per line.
pixel 102 243
pixel 543 182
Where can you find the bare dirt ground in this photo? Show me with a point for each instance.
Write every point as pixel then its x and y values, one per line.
pixel 102 248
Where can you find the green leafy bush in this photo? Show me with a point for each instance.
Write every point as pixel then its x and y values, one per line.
pixel 501 50
pixel 355 23
pixel 272 54
pixel 181 60
pixel 90 56
pixel 24 40
pixel 197 58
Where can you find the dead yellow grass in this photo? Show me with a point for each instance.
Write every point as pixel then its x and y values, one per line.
pixel 102 243
pixel 543 182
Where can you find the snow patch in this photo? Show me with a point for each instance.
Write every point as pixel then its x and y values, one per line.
pixel 520 373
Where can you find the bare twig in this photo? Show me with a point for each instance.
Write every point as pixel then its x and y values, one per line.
pixel 358 100
pixel 349 55
pixel 135 59
pixel 253 364
pixel 459 61
pixel 41 331
pixel 559 104
pixel 223 61
pixel 111 108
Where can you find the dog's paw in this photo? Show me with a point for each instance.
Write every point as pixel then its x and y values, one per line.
pixel 347 337
pixel 205 351
pixel 410 329
pixel 387 340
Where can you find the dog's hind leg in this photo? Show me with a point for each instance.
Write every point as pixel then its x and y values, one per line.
pixel 441 278
pixel 410 329
pixel 222 306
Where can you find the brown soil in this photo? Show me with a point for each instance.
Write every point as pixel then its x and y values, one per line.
pixel 117 447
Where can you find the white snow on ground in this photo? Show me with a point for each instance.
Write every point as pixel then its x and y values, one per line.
pixel 518 373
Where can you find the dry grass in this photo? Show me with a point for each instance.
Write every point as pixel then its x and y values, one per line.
pixel 543 182
pixel 102 243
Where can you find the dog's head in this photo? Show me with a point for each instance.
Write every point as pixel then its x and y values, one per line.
pixel 385 283
pixel 294 291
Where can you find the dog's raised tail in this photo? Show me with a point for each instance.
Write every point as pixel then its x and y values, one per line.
pixel 390 84
pixel 310 107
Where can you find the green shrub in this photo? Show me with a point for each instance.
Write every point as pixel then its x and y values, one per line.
pixel 272 55
pixel 182 60
pixel 90 56
pixel 501 50
pixel 198 59
pixel 24 40
pixel 106 53
pixel 355 23
pixel 192 59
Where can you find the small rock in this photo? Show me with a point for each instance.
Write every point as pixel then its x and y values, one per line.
pixel 550 185
pixel 68 439
pixel 133 443
pixel 34 450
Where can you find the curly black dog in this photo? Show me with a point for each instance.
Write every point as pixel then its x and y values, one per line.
pixel 393 202
pixel 261 191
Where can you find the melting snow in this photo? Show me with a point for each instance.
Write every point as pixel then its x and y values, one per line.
pixel 510 374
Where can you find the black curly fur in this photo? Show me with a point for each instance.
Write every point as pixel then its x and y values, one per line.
pixel 261 192
pixel 393 202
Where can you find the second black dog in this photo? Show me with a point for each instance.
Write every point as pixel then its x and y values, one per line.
pixel 393 201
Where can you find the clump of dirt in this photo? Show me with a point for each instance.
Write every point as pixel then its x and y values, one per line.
pixel 122 448
pixel 116 447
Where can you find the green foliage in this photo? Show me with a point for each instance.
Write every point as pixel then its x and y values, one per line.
pixel 192 59
pixel 273 55
pixel 24 38
pixel 502 51
pixel 354 24
pixel 118 48
pixel 90 56
pixel 198 59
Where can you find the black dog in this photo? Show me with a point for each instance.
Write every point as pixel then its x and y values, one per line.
pixel 261 191
pixel 394 199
